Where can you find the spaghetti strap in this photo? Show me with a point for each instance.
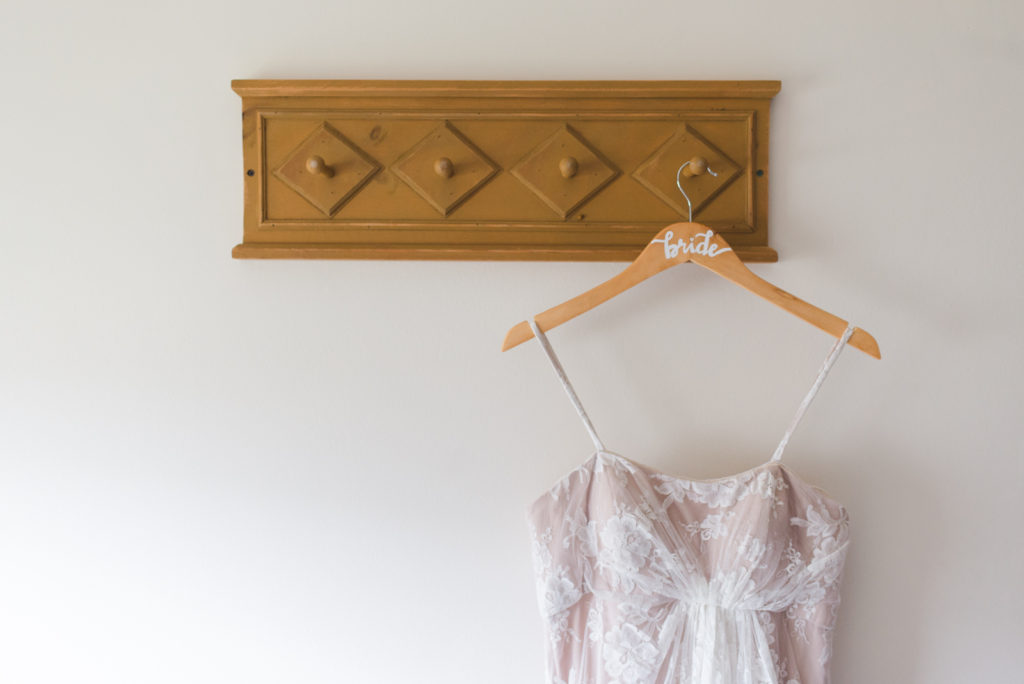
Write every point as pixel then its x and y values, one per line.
pixel 825 367
pixel 542 338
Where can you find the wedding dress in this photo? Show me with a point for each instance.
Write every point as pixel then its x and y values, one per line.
pixel 647 578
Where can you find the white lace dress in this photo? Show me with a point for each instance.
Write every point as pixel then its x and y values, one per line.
pixel 647 578
pixel 643 577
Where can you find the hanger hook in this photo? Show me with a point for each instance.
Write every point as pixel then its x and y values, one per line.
pixel 679 185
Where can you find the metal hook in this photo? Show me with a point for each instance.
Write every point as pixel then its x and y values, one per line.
pixel 678 185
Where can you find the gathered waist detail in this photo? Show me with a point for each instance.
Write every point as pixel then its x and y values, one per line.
pixel 720 606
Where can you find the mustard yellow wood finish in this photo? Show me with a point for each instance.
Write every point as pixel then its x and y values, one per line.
pixel 653 260
pixel 526 170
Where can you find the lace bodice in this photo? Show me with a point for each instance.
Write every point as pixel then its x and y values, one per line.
pixel 647 578
pixel 644 577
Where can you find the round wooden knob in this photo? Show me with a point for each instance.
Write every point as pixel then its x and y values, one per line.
pixel 696 167
pixel 444 168
pixel 568 166
pixel 317 165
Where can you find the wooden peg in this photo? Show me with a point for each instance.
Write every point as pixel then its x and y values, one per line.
pixel 317 165
pixel 696 167
pixel 568 166
pixel 444 168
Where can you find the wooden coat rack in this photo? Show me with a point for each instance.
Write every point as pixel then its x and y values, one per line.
pixel 531 170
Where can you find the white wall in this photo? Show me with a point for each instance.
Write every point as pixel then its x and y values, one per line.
pixel 243 471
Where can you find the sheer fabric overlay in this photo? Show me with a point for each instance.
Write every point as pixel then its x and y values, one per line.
pixel 648 578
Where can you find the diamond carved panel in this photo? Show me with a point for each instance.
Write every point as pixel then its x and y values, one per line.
pixel 658 172
pixel 505 170
pixel 565 171
pixel 327 169
pixel 445 168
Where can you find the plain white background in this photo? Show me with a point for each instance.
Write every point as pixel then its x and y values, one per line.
pixel 242 471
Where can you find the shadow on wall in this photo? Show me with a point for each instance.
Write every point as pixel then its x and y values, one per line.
pixel 896 550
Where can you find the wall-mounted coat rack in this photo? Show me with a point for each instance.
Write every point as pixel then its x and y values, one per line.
pixel 530 170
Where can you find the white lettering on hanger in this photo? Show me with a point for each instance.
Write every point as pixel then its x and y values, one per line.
pixel 704 246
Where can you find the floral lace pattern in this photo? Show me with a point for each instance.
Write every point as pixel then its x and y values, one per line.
pixel 643 578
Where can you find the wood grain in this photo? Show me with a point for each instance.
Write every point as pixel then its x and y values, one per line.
pixel 498 170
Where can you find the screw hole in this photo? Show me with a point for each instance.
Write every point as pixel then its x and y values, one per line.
pixel 250 172
pixel 760 172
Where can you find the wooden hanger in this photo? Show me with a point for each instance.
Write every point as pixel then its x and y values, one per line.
pixel 677 244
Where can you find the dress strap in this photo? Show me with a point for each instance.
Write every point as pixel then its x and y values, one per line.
pixel 825 367
pixel 542 338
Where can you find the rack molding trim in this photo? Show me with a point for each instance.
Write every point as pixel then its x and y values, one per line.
pixel 499 170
